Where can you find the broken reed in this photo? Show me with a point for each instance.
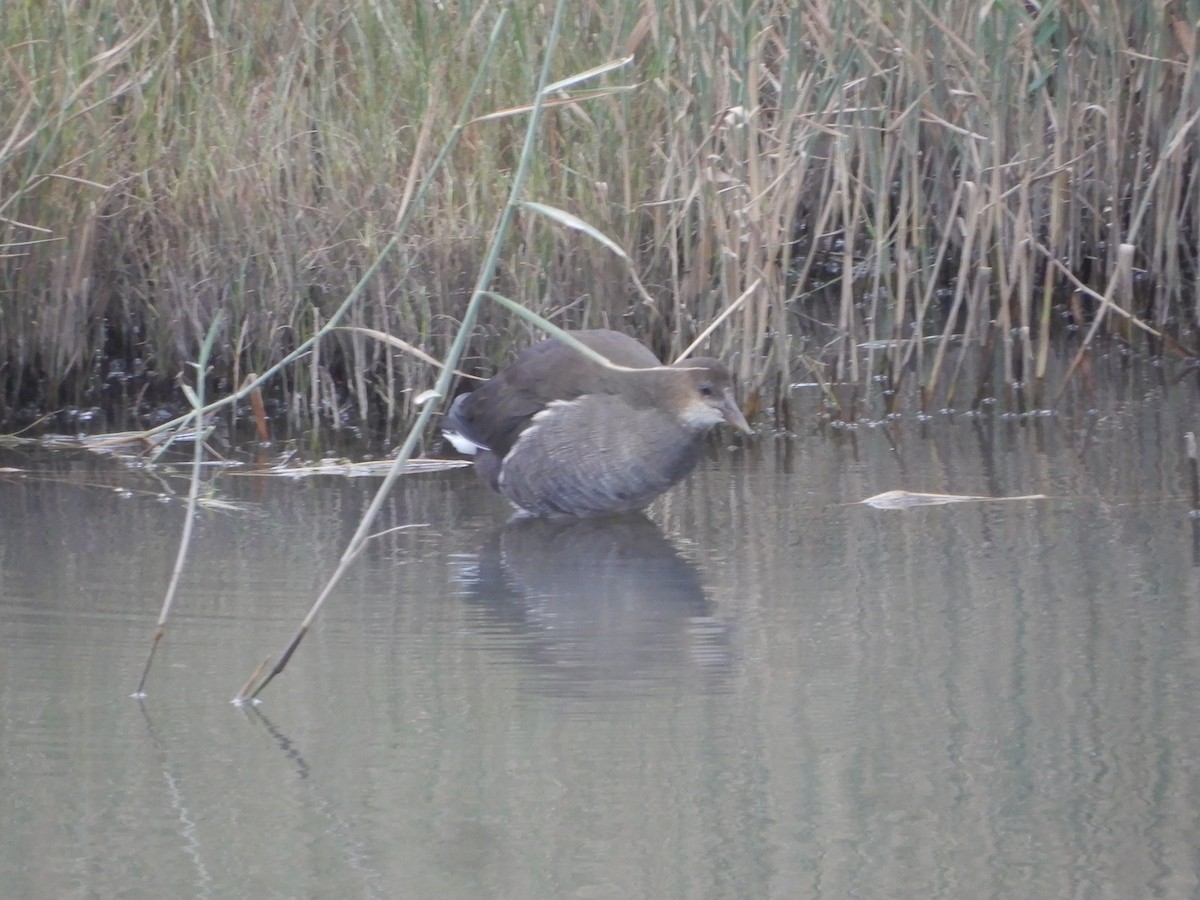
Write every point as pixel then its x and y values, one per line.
pixel 923 160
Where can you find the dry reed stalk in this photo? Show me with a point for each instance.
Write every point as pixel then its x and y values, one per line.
pixel 967 223
pixel 196 398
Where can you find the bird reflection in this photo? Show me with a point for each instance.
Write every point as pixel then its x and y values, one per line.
pixel 598 606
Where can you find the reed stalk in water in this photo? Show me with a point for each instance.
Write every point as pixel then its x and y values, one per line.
pixel 196 398
pixel 254 688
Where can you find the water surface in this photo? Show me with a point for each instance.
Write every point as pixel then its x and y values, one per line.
pixel 764 689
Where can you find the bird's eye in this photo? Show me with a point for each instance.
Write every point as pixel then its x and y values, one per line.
pixel 707 390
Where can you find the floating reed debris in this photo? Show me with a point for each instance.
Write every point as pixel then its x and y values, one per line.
pixel 373 468
pixel 909 499
pixel 860 176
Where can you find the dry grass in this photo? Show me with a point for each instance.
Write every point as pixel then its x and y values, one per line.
pixel 865 174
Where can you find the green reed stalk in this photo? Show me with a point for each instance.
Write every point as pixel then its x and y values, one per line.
pixel 361 535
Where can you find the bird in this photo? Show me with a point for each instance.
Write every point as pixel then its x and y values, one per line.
pixel 559 434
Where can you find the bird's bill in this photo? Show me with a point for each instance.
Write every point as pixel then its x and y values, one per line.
pixel 733 415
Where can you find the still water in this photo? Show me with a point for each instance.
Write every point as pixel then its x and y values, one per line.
pixel 764 689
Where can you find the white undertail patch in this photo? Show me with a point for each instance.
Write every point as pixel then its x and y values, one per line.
pixel 462 444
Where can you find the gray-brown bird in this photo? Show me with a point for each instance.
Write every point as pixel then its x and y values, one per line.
pixel 559 434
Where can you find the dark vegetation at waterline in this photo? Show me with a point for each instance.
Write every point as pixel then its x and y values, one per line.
pixel 875 186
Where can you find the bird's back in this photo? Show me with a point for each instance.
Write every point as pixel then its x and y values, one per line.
pixel 494 415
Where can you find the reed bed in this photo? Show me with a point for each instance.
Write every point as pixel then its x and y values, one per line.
pixel 903 198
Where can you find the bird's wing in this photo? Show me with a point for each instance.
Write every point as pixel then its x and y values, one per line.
pixel 596 455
